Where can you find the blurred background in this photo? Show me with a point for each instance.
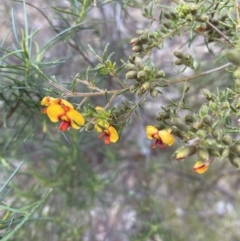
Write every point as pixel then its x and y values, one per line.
pixel 122 192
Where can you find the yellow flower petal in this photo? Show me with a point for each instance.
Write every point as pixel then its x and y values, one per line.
pixel 54 112
pixel 97 108
pixel 76 118
pixel 113 134
pixel 184 152
pixel 66 103
pixel 166 137
pixel 150 131
pixel 102 123
pixel 200 167
pixel 47 100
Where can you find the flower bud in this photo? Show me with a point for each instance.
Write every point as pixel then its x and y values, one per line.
pixel 179 62
pixel 214 153
pixel 152 35
pixel 200 28
pixel 225 105
pixel 201 134
pixel 137 48
pixel 187 57
pixel 203 111
pixel 198 125
pixel 139 63
pixel 167 15
pixel 131 59
pixel 145 86
pixel 160 126
pixel 131 74
pixel 180 124
pixel 225 153
pixel 166 25
pixel 234 160
pixel 209 143
pixel 163 116
pixel 178 54
pixel 139 92
pixel 193 9
pixel 189 18
pixel 202 18
pixel 153 93
pixel 236 73
pixel 203 154
pixel 144 38
pixel 135 41
pixel 131 67
pixel 89 126
pixel 142 75
pixel 189 119
pixel 237 84
pixel 173 15
pixel 209 96
pixel 147 69
pixel 207 120
pixel 184 152
pixel 233 56
pixel 227 139
pixel 160 74
pixel 212 106
pixel 154 44
pixel 217 133
pixel 235 149
pixel 201 167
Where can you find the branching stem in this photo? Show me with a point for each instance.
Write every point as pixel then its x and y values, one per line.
pixel 199 75
pixel 220 32
pixel 68 93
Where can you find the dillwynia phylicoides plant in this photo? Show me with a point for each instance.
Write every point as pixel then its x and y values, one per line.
pixel 207 134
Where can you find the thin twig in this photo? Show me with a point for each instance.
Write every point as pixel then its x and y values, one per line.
pixel 83 94
pixel 183 95
pixel 68 93
pixel 220 32
pixel 109 102
pixel 81 103
pixel 198 75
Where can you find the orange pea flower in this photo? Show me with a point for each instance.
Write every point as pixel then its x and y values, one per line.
pixel 109 133
pixel 163 137
pixel 62 110
pixel 201 167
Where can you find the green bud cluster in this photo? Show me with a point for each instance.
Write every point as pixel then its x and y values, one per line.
pixel 186 11
pixel 147 78
pixel 183 59
pixel 143 41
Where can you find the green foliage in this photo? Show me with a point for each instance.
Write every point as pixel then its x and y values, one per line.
pixel 14 218
pixel 179 71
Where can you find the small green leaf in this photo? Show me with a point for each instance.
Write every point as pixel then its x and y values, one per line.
pixel 187 89
pixel 106 95
pixel 122 91
pixel 105 52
